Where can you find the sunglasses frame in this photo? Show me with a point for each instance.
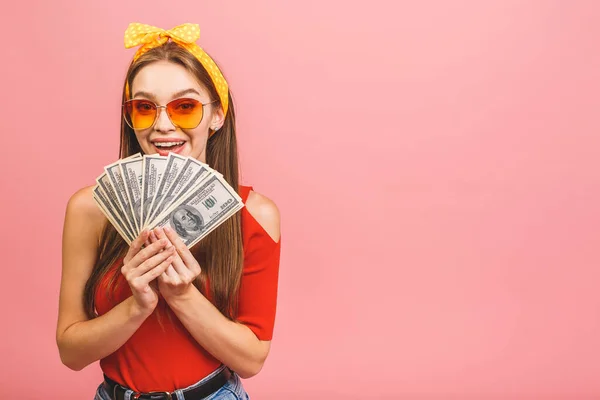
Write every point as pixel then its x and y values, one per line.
pixel 157 113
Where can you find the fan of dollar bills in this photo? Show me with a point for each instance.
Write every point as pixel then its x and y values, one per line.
pixel 148 191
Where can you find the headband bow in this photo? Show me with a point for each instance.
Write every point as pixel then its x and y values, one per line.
pixel 185 35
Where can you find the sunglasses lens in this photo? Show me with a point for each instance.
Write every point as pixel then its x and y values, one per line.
pixel 139 114
pixel 185 113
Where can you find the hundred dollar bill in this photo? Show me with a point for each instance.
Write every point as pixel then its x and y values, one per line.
pixel 192 173
pixel 104 206
pixel 131 171
pixel 153 169
pixel 174 166
pixel 113 215
pixel 111 196
pixel 201 210
pixel 116 178
pixel 110 218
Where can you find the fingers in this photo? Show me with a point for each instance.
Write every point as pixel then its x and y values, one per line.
pixel 136 245
pixel 147 242
pixel 143 255
pixel 133 275
pixel 153 237
pixel 177 271
pixel 186 256
pixel 187 272
pixel 152 262
pixel 171 276
pixel 141 283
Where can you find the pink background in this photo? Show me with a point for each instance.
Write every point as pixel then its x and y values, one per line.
pixel 436 165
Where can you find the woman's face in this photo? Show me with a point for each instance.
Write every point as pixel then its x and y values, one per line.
pixel 162 82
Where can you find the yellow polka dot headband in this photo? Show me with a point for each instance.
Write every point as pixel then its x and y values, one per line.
pixel 185 35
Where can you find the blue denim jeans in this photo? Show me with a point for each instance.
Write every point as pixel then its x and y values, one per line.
pixel 231 390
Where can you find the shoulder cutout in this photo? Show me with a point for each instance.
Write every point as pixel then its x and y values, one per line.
pixel 266 213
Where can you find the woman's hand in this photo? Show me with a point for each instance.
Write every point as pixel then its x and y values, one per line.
pixel 142 266
pixel 184 269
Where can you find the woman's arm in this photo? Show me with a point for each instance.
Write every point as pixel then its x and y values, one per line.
pixel 81 341
pixel 233 343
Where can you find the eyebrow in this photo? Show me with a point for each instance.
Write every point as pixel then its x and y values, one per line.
pixel 175 95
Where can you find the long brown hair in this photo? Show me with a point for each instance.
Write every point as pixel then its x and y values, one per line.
pixel 220 254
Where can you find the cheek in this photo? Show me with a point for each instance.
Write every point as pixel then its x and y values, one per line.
pixel 141 135
pixel 198 138
pixel 142 138
pixel 199 134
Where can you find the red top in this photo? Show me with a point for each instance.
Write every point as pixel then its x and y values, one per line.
pixel 167 359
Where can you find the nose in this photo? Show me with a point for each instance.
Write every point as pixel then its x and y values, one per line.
pixel 163 123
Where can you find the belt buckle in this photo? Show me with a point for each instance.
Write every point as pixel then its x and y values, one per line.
pixel 168 395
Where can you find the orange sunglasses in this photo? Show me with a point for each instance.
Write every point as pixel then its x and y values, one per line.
pixel 185 113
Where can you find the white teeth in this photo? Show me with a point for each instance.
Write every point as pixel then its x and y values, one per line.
pixel 167 144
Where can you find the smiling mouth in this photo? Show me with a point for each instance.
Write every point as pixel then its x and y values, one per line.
pixel 168 145
pixel 164 148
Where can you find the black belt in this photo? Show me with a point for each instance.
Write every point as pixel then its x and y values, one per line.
pixel 117 392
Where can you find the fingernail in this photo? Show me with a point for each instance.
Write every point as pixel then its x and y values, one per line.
pixel 167 229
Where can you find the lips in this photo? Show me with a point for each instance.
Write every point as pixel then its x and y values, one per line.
pixel 168 145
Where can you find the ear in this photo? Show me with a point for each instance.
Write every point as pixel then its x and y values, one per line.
pixel 218 118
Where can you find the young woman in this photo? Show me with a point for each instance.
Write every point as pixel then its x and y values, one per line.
pixel 165 321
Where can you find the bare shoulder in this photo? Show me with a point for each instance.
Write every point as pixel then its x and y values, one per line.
pixel 265 212
pixel 82 209
pixel 82 203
